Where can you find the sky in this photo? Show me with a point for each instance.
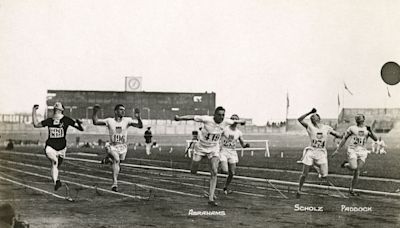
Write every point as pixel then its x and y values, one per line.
pixel 251 53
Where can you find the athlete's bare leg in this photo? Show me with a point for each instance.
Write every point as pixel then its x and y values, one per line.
pixel 214 161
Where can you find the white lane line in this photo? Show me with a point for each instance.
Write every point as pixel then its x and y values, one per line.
pixel 102 178
pixel 371 192
pixel 74 183
pixel 33 188
pixel 173 182
pixel 83 154
pixel 139 185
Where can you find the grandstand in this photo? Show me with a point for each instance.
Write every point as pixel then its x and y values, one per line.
pixel 153 105
pixel 382 120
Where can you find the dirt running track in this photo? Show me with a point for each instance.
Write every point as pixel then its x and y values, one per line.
pixel 167 199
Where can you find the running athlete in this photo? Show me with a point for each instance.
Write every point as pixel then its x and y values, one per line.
pixel 315 154
pixel 357 150
pixel 118 130
pixel 208 145
pixel 56 144
pixel 228 154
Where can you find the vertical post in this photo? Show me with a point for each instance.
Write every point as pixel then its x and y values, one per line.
pixel 287 110
pixel 267 148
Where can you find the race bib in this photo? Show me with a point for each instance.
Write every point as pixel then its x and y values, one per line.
pixel 359 141
pixel 318 143
pixel 118 138
pixel 56 132
pixel 212 137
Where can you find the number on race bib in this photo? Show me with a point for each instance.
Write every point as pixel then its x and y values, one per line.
pixel 318 143
pixel 359 141
pixel 229 144
pixel 119 138
pixel 56 132
pixel 212 137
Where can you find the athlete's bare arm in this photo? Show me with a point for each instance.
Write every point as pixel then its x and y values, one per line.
pixel 36 122
pixel 78 125
pixel 371 134
pixel 244 145
pixel 139 123
pixel 187 117
pixel 241 122
pixel 346 136
pixel 301 118
pixel 95 119
pixel 336 134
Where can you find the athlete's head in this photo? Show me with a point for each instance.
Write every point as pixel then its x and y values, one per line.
pixel 58 107
pixel 315 118
pixel 119 110
pixel 360 118
pixel 219 114
pixel 234 117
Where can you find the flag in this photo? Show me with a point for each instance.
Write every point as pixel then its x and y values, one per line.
pixel 338 100
pixel 287 105
pixel 388 91
pixel 346 88
pixel 287 100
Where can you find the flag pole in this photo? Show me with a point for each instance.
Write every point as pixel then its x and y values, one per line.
pixel 338 107
pixel 287 109
pixel 287 105
pixel 343 96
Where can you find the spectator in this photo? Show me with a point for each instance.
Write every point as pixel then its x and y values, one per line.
pixel 380 146
pixel 10 145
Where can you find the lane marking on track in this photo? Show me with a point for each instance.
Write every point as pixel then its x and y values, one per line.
pixel 206 173
pixel 83 154
pixel 139 185
pixel 102 178
pixel 33 188
pixel 173 182
pixel 280 171
pixel 371 192
pixel 74 183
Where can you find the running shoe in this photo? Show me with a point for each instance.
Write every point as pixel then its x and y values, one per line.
pixel 106 160
pixel 343 165
pixel 57 185
pixel 353 193
pixel 212 203
pixel 227 191
pixel 114 188
pixel 206 195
